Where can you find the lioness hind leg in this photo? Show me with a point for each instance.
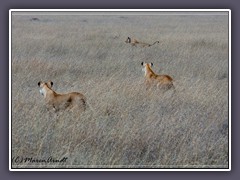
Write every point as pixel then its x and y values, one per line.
pixel 84 104
pixel 164 87
pixel 81 104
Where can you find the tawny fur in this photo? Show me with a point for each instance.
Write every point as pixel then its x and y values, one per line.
pixel 57 101
pixel 135 42
pixel 151 78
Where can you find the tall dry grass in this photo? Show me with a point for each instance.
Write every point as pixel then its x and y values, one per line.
pixel 125 125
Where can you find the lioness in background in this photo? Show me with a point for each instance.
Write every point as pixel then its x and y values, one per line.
pixel 135 42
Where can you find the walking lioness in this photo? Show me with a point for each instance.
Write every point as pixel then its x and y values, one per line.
pixel 163 81
pixel 61 101
pixel 135 42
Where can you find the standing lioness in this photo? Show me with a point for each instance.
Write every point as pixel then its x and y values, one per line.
pixel 151 78
pixel 61 101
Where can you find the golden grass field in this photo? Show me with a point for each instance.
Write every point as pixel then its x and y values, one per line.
pixel 125 125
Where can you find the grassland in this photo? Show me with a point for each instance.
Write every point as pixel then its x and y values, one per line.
pixel 125 125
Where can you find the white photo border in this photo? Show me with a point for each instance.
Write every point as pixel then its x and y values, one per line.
pixel 117 10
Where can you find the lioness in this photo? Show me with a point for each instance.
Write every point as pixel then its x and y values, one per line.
pixel 135 42
pixel 162 81
pixel 61 101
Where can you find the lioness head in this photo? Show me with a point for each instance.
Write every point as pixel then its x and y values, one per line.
pixel 128 40
pixel 42 86
pixel 147 64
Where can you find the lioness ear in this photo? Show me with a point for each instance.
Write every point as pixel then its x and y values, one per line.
pixel 50 83
pixel 151 64
pixel 142 63
pixel 39 83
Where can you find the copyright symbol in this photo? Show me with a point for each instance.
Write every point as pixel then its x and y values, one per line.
pixel 17 159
